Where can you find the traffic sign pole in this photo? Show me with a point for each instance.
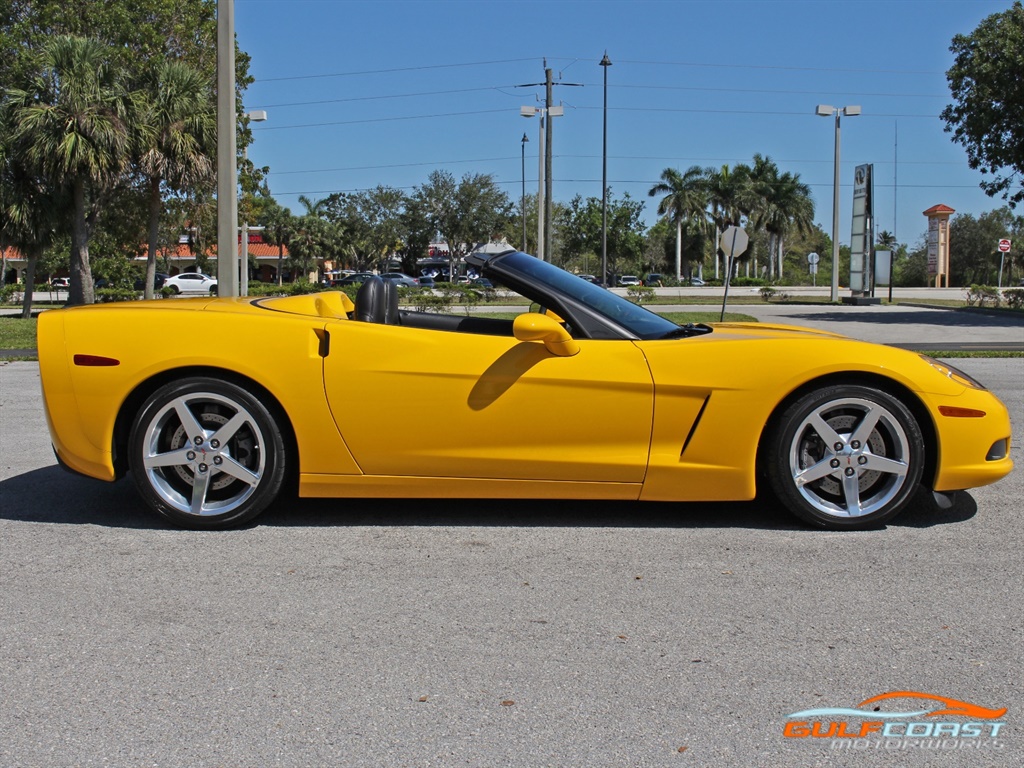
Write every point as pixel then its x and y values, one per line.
pixel 1004 248
pixel 733 242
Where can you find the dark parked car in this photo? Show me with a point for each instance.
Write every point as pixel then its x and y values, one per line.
pixel 158 281
pixel 357 279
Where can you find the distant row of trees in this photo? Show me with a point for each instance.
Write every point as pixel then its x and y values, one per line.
pixel 703 202
pixel 107 138
pixel 107 124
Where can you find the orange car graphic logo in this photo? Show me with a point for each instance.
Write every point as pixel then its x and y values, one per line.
pixel 946 706
pixel 950 706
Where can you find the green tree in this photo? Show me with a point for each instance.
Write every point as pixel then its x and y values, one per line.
pixel 465 213
pixel 685 200
pixel 313 239
pixel 579 224
pixel 177 140
pixel 781 202
pixel 988 100
pixel 28 208
pixel 973 256
pixel 139 36
pixel 371 220
pixel 730 200
pixel 278 225
pixel 72 127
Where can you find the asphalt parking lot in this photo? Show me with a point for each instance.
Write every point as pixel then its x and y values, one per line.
pixel 437 633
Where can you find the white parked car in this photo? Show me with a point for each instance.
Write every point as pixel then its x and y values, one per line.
pixel 192 282
pixel 630 280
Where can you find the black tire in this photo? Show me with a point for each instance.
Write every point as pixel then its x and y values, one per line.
pixel 213 290
pixel 175 290
pixel 215 431
pixel 845 456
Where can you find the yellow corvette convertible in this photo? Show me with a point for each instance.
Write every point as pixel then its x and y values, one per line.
pixel 591 397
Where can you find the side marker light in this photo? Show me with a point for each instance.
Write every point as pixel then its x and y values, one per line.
pixel 960 413
pixel 95 361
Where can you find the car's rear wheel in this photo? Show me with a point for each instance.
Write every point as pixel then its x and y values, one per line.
pixel 175 290
pixel 846 456
pixel 206 453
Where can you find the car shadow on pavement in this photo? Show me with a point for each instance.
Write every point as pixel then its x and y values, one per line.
pixel 51 495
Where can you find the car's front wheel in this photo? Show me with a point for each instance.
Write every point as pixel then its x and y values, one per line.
pixel 845 456
pixel 206 453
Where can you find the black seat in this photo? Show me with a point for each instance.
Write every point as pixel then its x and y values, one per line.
pixel 377 302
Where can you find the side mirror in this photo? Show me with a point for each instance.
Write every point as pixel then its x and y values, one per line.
pixel 534 327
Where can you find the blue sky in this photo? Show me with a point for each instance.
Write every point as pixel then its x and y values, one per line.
pixel 384 92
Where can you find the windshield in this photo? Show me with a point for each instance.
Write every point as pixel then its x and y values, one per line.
pixel 640 322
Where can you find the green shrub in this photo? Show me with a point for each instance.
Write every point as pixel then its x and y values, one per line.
pixel 9 294
pixel 1014 298
pixel 638 294
pixel 982 296
pixel 302 286
pixel 425 301
pixel 104 295
pixel 258 288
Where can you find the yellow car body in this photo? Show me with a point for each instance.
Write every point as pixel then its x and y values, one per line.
pixel 533 411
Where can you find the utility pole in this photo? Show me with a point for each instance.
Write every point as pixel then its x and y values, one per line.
pixel 545 206
pixel 548 208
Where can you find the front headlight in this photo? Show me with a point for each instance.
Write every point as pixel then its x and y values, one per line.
pixel 955 374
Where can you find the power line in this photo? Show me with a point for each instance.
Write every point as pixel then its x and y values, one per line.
pixel 419 68
pixel 670 110
pixel 510 158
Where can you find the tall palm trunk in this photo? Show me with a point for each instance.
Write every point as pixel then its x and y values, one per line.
pixel 679 249
pixel 155 206
pixel 81 290
pixel 30 282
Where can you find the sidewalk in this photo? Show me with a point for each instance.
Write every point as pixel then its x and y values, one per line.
pixel 910 327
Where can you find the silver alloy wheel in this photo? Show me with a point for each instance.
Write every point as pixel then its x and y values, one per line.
pixel 849 457
pixel 203 454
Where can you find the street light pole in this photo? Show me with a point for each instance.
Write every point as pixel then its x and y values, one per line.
pixel 826 110
pixel 604 63
pixel 523 203
pixel 227 169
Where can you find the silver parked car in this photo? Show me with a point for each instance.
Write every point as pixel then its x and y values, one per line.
pixel 400 278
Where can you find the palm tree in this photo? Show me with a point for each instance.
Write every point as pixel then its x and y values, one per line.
pixel 278 225
pixel 27 212
pixel 71 126
pixel 685 200
pixel 177 136
pixel 791 207
pixel 886 240
pixel 783 202
pixel 730 197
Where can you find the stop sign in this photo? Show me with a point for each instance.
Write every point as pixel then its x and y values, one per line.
pixel 1004 246
pixel 733 241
